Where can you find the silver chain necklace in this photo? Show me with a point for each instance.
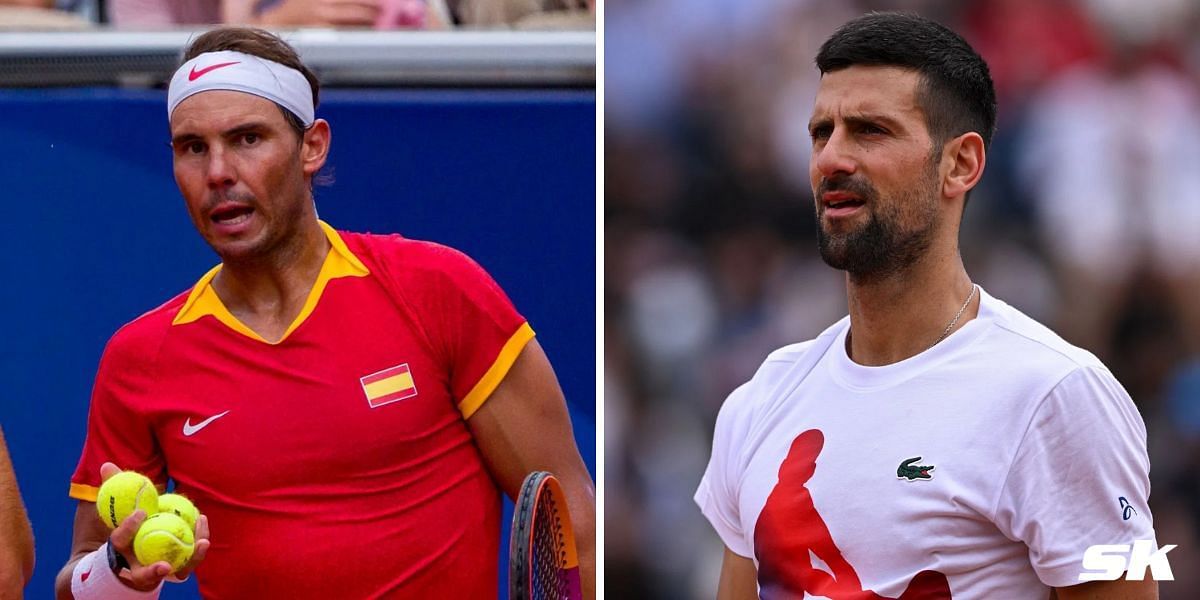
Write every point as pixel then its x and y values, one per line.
pixel 950 327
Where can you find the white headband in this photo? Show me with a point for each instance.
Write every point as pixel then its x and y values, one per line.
pixel 229 70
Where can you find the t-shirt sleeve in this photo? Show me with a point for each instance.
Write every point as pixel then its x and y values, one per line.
pixel 117 432
pixel 717 495
pixel 477 327
pixel 1080 477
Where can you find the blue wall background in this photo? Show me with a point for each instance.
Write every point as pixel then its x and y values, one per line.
pixel 94 233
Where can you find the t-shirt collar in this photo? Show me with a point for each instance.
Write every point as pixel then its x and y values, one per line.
pixel 203 300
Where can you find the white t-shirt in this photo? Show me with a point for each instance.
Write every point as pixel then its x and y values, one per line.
pixel 983 467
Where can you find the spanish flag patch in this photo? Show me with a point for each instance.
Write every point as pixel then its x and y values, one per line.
pixel 389 385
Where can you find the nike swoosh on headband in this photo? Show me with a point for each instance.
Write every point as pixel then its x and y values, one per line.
pixel 194 74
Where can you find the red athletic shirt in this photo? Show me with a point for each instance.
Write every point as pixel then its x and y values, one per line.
pixel 335 463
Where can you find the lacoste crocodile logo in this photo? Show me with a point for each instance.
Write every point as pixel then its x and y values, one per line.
pixel 911 472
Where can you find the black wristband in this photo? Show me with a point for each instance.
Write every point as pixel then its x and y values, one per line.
pixel 116 561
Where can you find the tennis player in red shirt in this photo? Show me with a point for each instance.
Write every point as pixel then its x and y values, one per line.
pixel 345 409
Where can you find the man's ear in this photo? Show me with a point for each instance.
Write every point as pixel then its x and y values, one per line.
pixel 966 157
pixel 315 146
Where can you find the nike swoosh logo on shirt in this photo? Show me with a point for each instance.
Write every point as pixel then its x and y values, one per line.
pixel 194 74
pixel 189 429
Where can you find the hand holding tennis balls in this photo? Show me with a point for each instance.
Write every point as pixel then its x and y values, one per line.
pixel 159 560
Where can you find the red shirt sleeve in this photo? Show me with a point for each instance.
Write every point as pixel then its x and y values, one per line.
pixel 117 431
pixel 470 322
pixel 482 331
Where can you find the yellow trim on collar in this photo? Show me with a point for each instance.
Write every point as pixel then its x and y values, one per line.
pixel 203 301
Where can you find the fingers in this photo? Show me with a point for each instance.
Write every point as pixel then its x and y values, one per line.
pixel 198 555
pixel 142 577
pixel 108 470
pixel 199 550
pixel 122 537
pixel 146 577
pixel 201 527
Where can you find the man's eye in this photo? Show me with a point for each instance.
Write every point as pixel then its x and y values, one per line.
pixel 250 138
pixel 195 147
pixel 872 130
pixel 820 133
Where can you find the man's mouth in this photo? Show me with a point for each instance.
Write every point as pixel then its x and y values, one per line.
pixel 840 203
pixel 231 214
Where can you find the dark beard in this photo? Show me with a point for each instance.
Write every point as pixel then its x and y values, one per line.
pixel 881 247
pixel 875 251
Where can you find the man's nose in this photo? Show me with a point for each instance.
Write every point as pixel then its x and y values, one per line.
pixel 221 172
pixel 835 158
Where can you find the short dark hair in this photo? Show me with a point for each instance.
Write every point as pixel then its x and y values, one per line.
pixel 956 91
pixel 260 43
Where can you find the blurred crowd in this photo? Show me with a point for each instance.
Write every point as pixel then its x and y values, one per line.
pixel 1087 219
pixel 369 14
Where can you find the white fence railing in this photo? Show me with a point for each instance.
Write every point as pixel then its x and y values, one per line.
pixel 340 58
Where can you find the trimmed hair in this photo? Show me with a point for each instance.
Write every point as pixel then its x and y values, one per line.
pixel 956 90
pixel 260 43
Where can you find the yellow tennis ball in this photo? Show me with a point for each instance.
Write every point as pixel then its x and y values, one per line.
pixel 124 493
pixel 180 506
pixel 164 537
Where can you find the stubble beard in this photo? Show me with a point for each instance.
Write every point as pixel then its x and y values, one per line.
pixel 278 243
